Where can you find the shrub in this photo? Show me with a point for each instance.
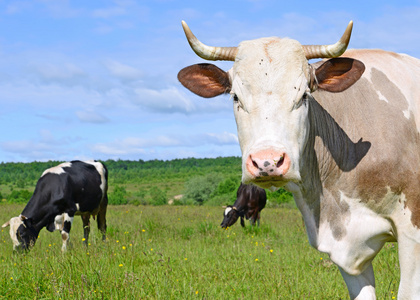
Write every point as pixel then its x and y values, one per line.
pixel 279 197
pixel 158 196
pixel 228 186
pixel 118 196
pixel 199 189
pixel 19 196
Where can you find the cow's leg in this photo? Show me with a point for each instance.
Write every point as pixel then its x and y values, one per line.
pixel 86 228
pixel 65 232
pixel 409 256
pixel 102 219
pixel 361 287
pixel 242 222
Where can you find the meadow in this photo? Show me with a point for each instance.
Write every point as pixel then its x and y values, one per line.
pixel 180 252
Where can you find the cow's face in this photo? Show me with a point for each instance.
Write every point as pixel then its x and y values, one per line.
pixel 22 233
pixel 270 84
pixel 230 216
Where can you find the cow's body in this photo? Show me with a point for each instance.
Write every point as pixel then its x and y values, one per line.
pixel 69 189
pixel 250 200
pixel 345 144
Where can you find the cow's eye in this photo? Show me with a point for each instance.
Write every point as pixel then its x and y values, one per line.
pixel 235 98
pixel 305 98
pixel 302 101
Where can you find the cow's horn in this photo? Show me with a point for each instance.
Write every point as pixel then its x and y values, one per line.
pixel 329 51
pixel 208 52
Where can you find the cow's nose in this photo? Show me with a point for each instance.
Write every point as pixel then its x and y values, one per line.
pixel 268 163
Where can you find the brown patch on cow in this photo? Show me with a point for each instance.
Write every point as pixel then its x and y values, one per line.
pixel 391 162
pixel 337 212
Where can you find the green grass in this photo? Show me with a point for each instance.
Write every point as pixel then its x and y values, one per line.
pixel 181 252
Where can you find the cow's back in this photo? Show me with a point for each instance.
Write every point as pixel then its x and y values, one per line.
pixel 88 183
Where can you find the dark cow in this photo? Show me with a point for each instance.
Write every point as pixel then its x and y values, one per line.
pixel 250 200
pixel 342 135
pixel 69 189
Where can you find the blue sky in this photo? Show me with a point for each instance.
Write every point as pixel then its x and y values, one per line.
pixel 97 79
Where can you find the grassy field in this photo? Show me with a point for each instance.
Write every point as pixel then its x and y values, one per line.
pixel 169 252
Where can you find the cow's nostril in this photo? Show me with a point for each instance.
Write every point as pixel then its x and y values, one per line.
pixel 280 162
pixel 254 164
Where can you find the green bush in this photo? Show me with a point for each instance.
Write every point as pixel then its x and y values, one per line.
pixel 228 186
pixel 158 196
pixel 118 196
pixel 199 189
pixel 19 196
pixel 279 197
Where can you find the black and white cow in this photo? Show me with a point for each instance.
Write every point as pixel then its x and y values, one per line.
pixel 69 189
pixel 250 200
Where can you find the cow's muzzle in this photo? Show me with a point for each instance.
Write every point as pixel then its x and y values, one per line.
pixel 268 165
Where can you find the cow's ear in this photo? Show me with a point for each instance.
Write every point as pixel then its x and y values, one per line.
pixel 338 74
pixel 205 80
pixel 5 224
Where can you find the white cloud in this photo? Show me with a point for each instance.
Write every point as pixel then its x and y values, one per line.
pixel 123 71
pixel 91 117
pixel 225 138
pixel 136 145
pixel 62 73
pixel 168 100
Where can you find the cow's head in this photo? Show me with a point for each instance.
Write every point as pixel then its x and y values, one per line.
pixel 230 216
pixel 270 84
pixel 22 232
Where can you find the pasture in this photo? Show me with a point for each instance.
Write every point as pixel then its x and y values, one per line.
pixel 180 252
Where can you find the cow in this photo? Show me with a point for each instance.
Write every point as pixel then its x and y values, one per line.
pixel 341 134
pixel 69 189
pixel 250 200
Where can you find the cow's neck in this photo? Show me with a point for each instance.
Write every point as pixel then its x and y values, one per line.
pixel 327 157
pixel 40 216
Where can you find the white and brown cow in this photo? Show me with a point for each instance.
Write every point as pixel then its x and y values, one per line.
pixel 66 190
pixel 342 135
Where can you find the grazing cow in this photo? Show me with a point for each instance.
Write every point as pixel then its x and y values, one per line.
pixel 342 135
pixel 69 189
pixel 250 200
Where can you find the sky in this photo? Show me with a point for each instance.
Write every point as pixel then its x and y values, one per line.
pixel 98 79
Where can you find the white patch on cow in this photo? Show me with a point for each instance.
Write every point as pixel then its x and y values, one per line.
pixel 57 169
pixel 77 206
pixel 101 170
pixel 14 224
pixel 227 210
pixel 366 231
pixel 59 225
pixel 381 96
pixel 407 114
pixel 60 219
pixel 59 222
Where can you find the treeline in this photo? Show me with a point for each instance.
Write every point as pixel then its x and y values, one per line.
pixel 156 182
